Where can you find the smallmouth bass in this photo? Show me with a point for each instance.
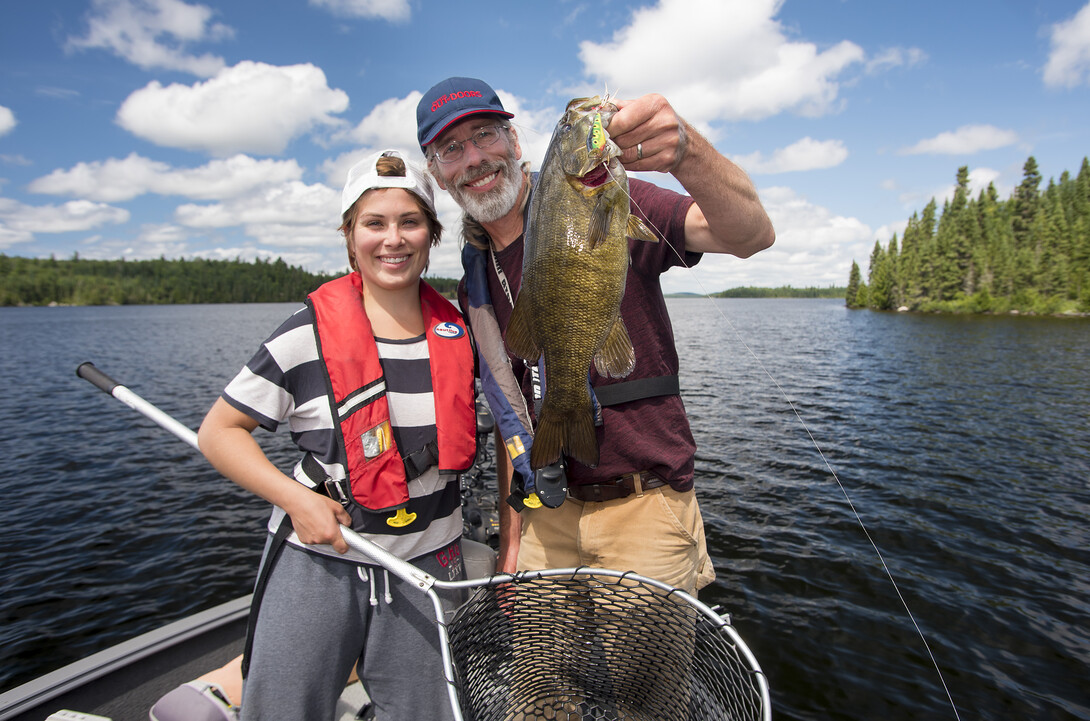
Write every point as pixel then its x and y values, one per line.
pixel 575 262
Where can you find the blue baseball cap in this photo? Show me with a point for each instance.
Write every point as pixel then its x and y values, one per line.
pixel 450 100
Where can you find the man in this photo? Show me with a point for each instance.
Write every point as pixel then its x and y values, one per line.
pixel 636 510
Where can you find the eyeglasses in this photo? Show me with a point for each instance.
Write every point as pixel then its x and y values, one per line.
pixel 482 138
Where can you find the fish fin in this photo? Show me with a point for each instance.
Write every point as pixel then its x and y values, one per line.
pixel 571 433
pixel 616 359
pixel 599 222
pixel 638 229
pixel 520 338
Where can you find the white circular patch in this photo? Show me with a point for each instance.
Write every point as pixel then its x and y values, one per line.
pixel 449 330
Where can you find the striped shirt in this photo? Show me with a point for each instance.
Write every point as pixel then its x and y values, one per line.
pixel 284 381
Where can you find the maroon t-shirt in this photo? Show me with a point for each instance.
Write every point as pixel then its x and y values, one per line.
pixel 650 434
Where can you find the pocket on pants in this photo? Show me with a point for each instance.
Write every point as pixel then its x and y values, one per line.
pixel 681 512
pixel 684 511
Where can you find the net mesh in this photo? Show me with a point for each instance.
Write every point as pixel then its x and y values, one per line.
pixel 587 647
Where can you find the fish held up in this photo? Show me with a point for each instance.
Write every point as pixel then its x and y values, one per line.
pixel 574 266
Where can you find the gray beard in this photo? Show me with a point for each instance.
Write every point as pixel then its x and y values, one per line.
pixel 499 201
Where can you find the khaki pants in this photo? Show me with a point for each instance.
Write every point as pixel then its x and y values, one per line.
pixel 659 535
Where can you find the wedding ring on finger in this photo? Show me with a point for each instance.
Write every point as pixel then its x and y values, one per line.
pixel 639 151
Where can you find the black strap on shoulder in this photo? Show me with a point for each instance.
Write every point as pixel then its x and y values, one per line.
pixel 275 546
pixel 626 391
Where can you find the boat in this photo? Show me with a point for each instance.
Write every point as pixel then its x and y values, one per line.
pixel 123 682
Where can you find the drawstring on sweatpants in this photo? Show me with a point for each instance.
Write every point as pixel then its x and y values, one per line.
pixel 370 580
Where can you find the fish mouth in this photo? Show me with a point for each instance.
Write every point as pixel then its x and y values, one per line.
pixel 599 175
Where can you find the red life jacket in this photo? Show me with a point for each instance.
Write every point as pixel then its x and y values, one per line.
pixel 376 472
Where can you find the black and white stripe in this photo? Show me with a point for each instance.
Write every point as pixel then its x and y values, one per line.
pixel 284 381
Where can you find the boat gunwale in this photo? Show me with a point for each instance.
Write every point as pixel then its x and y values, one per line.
pixel 79 673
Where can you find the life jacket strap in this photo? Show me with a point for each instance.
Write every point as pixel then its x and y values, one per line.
pixel 419 461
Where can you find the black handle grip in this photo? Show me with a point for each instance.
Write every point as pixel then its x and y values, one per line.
pixel 89 372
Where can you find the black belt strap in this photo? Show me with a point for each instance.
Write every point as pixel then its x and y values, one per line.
pixel 626 391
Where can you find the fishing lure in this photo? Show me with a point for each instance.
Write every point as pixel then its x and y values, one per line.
pixel 596 140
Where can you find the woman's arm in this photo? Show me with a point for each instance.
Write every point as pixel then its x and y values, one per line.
pixel 226 439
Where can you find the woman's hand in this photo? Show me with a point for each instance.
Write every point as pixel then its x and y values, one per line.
pixel 317 519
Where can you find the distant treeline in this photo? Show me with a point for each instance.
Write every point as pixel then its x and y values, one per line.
pixel 784 291
pixel 1030 253
pixel 77 281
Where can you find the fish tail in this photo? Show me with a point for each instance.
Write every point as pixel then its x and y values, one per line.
pixel 572 434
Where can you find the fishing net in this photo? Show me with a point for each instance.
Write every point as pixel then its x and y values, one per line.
pixel 574 645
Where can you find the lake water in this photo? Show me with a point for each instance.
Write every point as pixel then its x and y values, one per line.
pixel 962 443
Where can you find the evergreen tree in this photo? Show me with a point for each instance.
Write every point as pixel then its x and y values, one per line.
pixel 908 269
pixel 1080 232
pixel 852 294
pixel 893 261
pixel 1025 202
pixel 880 282
pixel 79 281
pixel 927 251
pixel 1049 230
pixel 1031 252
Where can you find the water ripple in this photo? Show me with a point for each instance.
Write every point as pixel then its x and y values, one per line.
pixel 963 443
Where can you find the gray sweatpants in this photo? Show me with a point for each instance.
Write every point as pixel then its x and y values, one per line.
pixel 317 620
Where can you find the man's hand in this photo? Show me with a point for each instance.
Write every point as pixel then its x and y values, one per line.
pixel 651 135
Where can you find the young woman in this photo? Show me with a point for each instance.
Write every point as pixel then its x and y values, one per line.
pixel 375 379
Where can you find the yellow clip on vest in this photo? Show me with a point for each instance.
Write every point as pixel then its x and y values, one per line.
pixel 401 519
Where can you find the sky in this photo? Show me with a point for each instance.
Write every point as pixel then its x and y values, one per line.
pixel 142 129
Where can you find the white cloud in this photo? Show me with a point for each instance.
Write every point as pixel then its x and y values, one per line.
pixel 298 237
pixel 805 154
pixel 248 108
pixel 390 124
pixel 311 260
pixel 48 91
pixel 12 236
pixel 894 58
pixel 1069 60
pixel 396 11
pixel 153 34
pixel 116 180
pixel 884 234
pixel 733 61
pixel 814 247
pixel 963 141
pixel 293 203
pixel 19 222
pixel 7 120
pixel 979 179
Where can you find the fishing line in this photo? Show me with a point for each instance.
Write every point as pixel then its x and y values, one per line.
pixel 813 441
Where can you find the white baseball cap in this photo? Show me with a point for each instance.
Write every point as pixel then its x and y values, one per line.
pixel 363 176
